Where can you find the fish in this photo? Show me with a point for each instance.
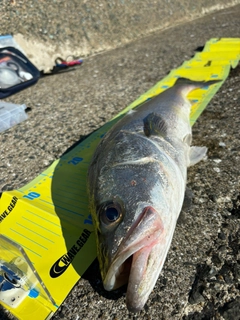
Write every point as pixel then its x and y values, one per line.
pixel 136 184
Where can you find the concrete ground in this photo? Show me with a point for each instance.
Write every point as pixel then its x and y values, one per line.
pixel 201 277
pixel 46 30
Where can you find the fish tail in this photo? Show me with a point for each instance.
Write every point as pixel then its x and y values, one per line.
pixel 186 85
pixel 199 84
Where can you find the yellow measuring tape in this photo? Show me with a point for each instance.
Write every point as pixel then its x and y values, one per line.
pixel 46 238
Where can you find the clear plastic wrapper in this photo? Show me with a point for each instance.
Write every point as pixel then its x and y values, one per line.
pixel 11 114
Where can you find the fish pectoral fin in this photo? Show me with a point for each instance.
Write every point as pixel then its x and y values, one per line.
pixel 188 139
pixel 196 154
pixel 154 124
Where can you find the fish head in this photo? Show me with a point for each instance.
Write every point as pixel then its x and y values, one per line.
pixel 129 228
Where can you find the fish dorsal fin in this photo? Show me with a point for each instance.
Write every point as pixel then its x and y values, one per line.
pixel 196 154
pixel 154 124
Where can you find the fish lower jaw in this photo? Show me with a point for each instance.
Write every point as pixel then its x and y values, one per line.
pixel 130 264
pixel 140 270
pixel 135 308
pixel 118 276
pixel 131 269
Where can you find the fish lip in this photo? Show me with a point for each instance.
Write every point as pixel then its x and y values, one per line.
pixel 148 221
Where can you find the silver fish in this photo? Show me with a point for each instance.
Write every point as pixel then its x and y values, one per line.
pixel 136 184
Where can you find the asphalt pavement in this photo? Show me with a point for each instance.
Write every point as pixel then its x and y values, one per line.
pixel 201 276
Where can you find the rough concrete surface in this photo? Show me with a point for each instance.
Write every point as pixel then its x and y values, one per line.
pixel 61 27
pixel 201 277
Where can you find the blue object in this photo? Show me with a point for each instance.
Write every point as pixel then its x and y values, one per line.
pixel 33 293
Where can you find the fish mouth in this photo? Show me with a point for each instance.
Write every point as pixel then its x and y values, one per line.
pixel 135 259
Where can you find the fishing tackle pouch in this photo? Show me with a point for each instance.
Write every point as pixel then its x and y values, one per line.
pixel 16 72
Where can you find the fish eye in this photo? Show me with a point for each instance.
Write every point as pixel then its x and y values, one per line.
pixel 110 213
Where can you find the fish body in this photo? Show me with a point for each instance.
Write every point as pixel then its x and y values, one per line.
pixel 136 184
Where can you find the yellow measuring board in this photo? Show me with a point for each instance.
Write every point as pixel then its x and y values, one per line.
pixel 46 238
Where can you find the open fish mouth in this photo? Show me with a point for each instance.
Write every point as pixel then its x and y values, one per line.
pixel 135 258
